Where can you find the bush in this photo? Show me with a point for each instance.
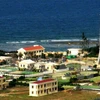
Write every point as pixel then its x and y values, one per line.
pixel 21 78
pixel 12 83
pixel 22 84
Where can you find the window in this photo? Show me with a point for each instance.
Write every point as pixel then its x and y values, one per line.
pixel 44 91
pixel 41 86
pixel 41 91
pixel 44 85
pixel 55 88
pixel 52 89
pixel 55 83
pixel 32 86
pixel 38 86
pixel 32 92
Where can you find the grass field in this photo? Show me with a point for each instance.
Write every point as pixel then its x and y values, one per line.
pixel 22 93
pixel 95 79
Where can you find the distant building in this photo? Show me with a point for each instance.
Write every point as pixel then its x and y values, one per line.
pixel 6 58
pixel 43 87
pixel 26 64
pixel 27 52
pixel 50 66
pixel 74 51
pixel 3 83
pixel 39 66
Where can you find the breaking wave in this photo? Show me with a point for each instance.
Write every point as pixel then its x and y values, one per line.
pixel 19 42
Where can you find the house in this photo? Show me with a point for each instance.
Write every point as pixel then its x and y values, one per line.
pixel 43 87
pixel 26 64
pixel 8 59
pixel 3 83
pixel 74 51
pixel 31 51
pixel 39 66
pixel 50 66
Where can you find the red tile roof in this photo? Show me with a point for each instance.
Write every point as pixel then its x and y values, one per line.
pixel 34 47
pixel 44 81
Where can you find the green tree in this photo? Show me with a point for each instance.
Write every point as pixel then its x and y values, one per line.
pixel 20 55
pixel 43 55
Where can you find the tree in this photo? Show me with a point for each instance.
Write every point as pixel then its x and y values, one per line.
pixel 12 83
pixel 43 55
pixel 20 55
pixel 85 41
pixel 95 66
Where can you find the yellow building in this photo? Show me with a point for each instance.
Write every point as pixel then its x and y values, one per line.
pixel 43 87
pixel 31 51
pixel 3 83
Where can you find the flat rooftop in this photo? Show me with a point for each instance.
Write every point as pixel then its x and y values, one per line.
pixel 44 81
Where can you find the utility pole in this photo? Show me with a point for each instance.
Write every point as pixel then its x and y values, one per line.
pixel 99 46
pixel 99 51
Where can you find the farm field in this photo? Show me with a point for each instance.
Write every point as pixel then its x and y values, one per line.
pixel 22 93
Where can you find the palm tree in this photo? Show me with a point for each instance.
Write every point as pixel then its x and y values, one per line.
pixel 20 56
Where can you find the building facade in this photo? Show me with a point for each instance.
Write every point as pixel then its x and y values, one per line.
pixel 26 64
pixel 3 83
pixel 27 52
pixel 6 58
pixel 74 51
pixel 43 87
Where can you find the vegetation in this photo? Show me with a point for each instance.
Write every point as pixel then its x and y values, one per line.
pixel 95 79
pixel 92 51
pixel 90 87
pixel 2 53
pixel 85 41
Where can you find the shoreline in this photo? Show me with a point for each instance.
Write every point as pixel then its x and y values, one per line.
pixel 91 42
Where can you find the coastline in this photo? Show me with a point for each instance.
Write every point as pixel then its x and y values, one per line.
pixel 91 42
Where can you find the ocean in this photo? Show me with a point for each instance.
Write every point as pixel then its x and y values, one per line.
pixel 43 22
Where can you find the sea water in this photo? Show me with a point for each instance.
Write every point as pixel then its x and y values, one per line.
pixel 31 22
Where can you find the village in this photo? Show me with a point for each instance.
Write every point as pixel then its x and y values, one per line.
pixel 44 73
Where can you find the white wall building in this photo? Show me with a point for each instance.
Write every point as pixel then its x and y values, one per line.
pixel 43 87
pixel 50 66
pixel 40 66
pixel 26 64
pixel 6 58
pixel 31 51
pixel 74 51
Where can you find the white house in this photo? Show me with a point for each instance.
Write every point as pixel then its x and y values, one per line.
pixel 26 64
pixel 43 87
pixel 40 66
pixel 74 51
pixel 50 66
pixel 8 59
pixel 31 51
